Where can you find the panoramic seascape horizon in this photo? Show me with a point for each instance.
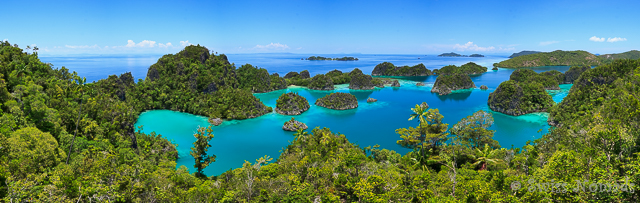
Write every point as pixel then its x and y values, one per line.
pixel 368 125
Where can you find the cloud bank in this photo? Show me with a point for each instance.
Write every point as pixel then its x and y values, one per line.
pixel 272 47
pixel 614 39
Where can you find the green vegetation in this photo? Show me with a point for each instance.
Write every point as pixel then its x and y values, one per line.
pixel 595 141
pixel 555 58
pixel 476 55
pixel 470 68
pixel 519 98
pixel 291 104
pixel 609 90
pixel 338 77
pixel 388 69
pixel 573 73
pixel 258 80
pixel 199 150
pixel 446 83
pixel 549 80
pixel 360 81
pixel 338 101
pixel 522 53
pixel 608 58
pixel 320 58
pixel 321 82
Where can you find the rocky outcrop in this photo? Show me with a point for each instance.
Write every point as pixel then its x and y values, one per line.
pixel 494 68
pixel 304 74
pixel 573 73
pixel 483 87
pixel 215 121
pixel 291 75
pixel 420 84
pixel 369 100
pixel 360 81
pixel 338 101
pixel 388 69
pixel 211 87
pixel 395 83
pixel 446 83
pixel 153 74
pixel 321 82
pixel 291 104
pixel 294 125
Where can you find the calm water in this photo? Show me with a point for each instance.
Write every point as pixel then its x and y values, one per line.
pixel 369 124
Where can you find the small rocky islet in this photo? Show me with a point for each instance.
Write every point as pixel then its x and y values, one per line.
pixel 338 101
pixel 294 125
pixel 291 104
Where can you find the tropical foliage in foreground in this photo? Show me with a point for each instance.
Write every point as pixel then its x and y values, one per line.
pixel 591 156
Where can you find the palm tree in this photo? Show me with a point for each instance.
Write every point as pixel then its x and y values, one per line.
pixel 419 111
pixel 482 157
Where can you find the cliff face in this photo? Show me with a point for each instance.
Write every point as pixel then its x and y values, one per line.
pixel 446 83
pixel 388 69
pixel 291 104
pixel 338 101
pixel 573 73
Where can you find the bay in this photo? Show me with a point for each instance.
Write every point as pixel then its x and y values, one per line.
pixel 370 124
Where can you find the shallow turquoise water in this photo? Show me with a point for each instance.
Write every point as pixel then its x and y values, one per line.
pixel 369 124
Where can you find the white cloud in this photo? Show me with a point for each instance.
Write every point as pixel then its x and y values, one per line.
pixel 272 46
pixel 548 43
pixel 185 43
pixel 4 40
pixel 616 39
pixel 470 46
pixel 596 39
pixel 144 43
pixel 168 44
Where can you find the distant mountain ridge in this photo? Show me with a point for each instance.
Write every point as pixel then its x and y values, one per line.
pixel 458 55
pixel 522 53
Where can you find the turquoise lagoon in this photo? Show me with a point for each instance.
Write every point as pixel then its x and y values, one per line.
pixel 370 124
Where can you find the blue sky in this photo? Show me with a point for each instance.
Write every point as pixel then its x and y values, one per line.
pixel 321 27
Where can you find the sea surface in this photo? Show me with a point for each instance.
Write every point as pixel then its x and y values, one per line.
pixel 370 124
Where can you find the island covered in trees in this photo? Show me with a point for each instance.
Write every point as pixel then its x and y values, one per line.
pixel 338 101
pixel 446 83
pixel 458 55
pixel 291 104
pixel 563 58
pixel 470 68
pixel 388 69
pixel 320 58
pixel 42 159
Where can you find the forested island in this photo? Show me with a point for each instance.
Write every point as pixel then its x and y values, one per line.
pixel 320 58
pixel 470 68
pixel 608 58
pixel 555 58
pixel 446 83
pixel 43 159
pixel 522 53
pixel 458 55
pixel 388 69
pixel 338 101
pixel 291 104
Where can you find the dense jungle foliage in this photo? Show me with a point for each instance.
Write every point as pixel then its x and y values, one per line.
pixel 388 69
pixel 470 68
pixel 608 58
pixel 522 53
pixel 592 156
pixel 338 101
pixel 555 58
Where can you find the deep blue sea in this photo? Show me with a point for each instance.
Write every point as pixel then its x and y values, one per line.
pixel 368 125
